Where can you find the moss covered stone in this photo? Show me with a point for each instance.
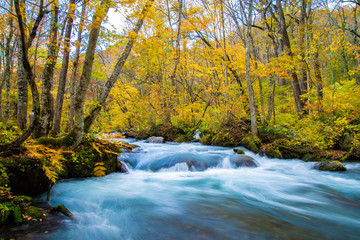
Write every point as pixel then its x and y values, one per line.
pixel 34 213
pixel 329 166
pixel 62 209
pixel 286 149
pixel 252 143
pixel 238 151
pixel 22 199
pixel 272 151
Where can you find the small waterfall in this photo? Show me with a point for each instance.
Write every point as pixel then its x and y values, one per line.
pixel 226 163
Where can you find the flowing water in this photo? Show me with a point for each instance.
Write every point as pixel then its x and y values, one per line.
pixel 161 198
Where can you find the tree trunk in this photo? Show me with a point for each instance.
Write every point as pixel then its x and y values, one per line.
pixel 251 93
pixel 96 108
pixel 70 123
pixel 302 39
pixel 22 82
pixel 287 47
pixel 64 70
pixel 30 77
pixel 83 83
pixel 47 107
pixel 8 63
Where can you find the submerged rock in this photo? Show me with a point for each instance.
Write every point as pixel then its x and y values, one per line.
pixel 155 140
pixel 243 161
pixel 329 166
pixel 62 209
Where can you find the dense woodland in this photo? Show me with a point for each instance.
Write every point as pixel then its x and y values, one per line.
pixel 229 68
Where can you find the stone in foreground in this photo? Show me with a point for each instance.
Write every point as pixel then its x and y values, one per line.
pixel 332 166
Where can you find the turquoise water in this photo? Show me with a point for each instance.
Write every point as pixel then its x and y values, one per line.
pixel 161 198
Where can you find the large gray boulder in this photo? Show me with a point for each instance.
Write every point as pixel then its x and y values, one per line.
pixel 155 140
pixel 241 160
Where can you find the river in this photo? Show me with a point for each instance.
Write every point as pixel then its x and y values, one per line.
pixel 280 199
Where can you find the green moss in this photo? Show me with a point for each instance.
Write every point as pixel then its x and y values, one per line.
pixel 17 215
pixel 239 151
pixel 22 199
pixel 34 213
pixel 63 141
pixel 273 152
pixel 62 209
pixel 183 138
pixel 252 143
pixel 329 166
pixel 206 139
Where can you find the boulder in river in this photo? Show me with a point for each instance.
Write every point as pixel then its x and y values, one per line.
pixel 329 166
pixel 154 139
pixel 244 161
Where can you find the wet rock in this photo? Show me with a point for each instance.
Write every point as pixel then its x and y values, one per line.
pixel 252 143
pixel 243 161
pixel 329 166
pixel 155 140
pixel 121 167
pixel 22 201
pixel 286 149
pixel 33 213
pixel 238 151
pixel 62 209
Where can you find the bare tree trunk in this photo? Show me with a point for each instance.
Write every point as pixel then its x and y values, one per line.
pixel 22 79
pixel 287 47
pixel 271 98
pixel 318 81
pixel 64 70
pixel 22 82
pixel 30 77
pixel 8 64
pixel 78 129
pixel 302 39
pixel 96 108
pixel 47 107
pixel 251 93
pixel 70 123
pixel 1 88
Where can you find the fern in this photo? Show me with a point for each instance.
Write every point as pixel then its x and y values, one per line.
pixel 52 159
pixel 96 148
pixel 99 169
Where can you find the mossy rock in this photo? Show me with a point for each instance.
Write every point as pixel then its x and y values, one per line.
pixel 183 139
pixel 252 143
pixel 34 213
pixel 332 166
pixel 272 151
pixel 206 139
pixel 26 175
pixel 287 150
pixel 225 139
pixel 238 151
pixel 354 153
pixel 22 199
pixel 62 209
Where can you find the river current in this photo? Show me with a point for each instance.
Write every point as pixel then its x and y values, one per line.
pixel 161 198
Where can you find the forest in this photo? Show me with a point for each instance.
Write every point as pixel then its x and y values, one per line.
pixel 258 67
pixel 278 77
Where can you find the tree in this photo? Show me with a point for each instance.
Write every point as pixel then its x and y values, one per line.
pixel 70 122
pixel 119 65
pixel 99 15
pixel 64 70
